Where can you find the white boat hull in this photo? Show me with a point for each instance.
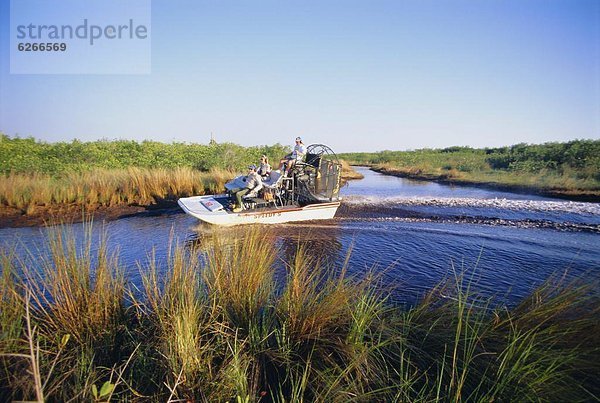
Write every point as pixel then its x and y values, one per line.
pixel 202 207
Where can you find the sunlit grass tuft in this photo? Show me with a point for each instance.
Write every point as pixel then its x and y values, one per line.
pixel 104 187
pixel 348 173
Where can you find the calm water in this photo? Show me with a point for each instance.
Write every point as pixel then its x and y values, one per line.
pixel 414 233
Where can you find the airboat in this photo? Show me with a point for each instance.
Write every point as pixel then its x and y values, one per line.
pixel 308 191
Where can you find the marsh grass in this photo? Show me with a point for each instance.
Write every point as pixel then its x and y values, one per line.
pixel 567 183
pixel 35 175
pixel 569 168
pixel 212 323
pixel 99 187
pixel 179 319
pixel 108 187
pixel 348 173
pixel 74 293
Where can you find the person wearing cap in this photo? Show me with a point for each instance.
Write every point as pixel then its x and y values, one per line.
pixel 296 155
pixel 264 168
pixel 252 180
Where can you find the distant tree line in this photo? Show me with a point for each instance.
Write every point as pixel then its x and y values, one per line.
pixel 28 155
pixel 555 156
pixel 582 156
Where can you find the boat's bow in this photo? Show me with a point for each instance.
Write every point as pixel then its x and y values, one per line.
pixel 205 208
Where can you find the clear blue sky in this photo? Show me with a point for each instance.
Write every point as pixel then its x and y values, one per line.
pixel 356 75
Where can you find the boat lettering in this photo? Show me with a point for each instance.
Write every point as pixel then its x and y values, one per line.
pixel 267 215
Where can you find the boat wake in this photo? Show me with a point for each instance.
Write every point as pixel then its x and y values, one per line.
pixel 506 204
pixel 558 215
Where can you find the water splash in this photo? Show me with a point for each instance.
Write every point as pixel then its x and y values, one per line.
pixel 496 203
pixel 556 215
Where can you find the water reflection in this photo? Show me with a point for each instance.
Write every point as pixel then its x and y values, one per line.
pixel 321 242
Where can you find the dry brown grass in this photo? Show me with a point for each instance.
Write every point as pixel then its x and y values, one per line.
pixel 102 187
pixel 542 180
pixel 348 173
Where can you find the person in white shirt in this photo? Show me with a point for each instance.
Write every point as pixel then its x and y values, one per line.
pixel 289 160
pixel 252 180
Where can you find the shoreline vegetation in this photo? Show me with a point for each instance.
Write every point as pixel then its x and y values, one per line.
pixel 41 181
pixel 107 193
pixel 216 321
pixel 568 170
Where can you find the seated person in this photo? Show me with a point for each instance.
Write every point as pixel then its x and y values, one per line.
pixel 264 168
pixel 290 160
pixel 252 180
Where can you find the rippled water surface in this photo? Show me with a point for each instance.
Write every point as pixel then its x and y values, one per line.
pixel 415 233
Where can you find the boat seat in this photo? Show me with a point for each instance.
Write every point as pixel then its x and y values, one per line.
pixel 272 188
pixel 267 192
pixel 274 181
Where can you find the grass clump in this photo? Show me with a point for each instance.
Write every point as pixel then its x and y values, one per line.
pixel 72 317
pixel 220 322
pixel 348 173
pixel 107 187
pixel 178 324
